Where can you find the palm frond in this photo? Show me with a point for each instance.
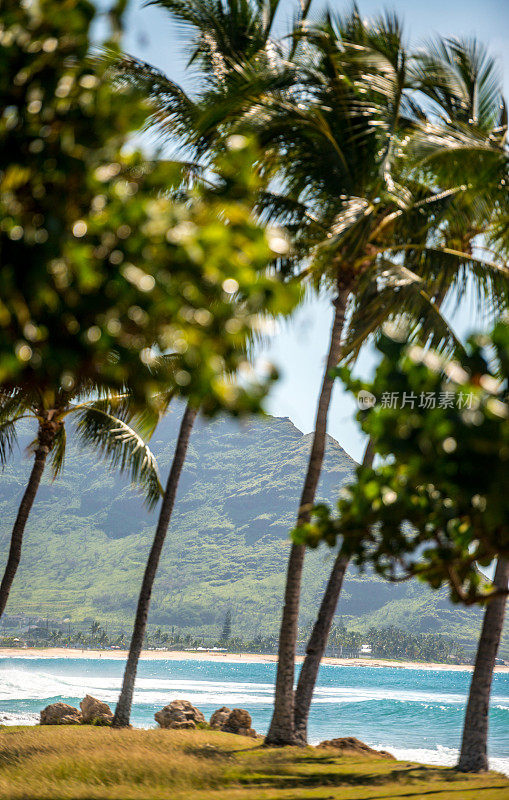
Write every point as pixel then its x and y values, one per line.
pixel 244 94
pixel 445 267
pixel 14 403
pixel 171 110
pixel 456 145
pixel 8 440
pixel 462 80
pixel 396 295
pixel 123 447
pixel 58 452
pixel 143 417
pixel 222 32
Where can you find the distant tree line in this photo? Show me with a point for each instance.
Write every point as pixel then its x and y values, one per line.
pixel 385 642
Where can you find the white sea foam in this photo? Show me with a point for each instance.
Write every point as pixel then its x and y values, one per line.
pixel 351 694
pixel 441 756
pixel 26 685
pixel 19 684
pixel 23 718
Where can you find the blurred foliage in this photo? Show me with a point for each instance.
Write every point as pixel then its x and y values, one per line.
pixel 438 504
pixel 100 270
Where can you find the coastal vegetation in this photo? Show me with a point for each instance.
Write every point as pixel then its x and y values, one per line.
pixel 387 642
pixel 76 215
pixel 329 158
pixel 207 284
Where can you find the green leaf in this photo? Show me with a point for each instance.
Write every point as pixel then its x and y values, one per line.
pixel 58 452
pixel 123 447
pixel 8 440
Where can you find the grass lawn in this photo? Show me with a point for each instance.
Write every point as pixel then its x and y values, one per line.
pixel 57 763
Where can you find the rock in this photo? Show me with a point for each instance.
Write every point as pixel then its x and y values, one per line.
pixel 95 712
pixel 247 732
pixel 60 714
pixel 239 721
pixel 70 719
pixel 179 714
pixel 219 717
pixel 180 725
pixel 349 744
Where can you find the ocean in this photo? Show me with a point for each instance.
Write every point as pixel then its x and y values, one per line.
pixel 415 714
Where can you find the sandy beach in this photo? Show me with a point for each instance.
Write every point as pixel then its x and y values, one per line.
pixel 181 655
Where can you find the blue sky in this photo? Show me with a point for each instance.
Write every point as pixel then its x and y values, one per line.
pixel 300 345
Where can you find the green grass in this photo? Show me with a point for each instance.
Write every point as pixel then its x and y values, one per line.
pixel 52 763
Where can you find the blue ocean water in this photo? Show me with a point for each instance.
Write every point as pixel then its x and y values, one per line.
pixel 416 714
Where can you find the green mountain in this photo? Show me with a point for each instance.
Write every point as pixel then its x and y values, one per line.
pixel 89 535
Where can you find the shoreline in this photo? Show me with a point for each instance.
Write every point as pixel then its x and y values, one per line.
pixel 225 658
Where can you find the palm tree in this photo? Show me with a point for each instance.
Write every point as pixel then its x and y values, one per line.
pixel 240 62
pixel 223 38
pixel 103 637
pixel 95 627
pixel 460 79
pixel 102 423
pixel 55 636
pixel 376 229
pixel 123 709
pixel 234 56
pixel 473 754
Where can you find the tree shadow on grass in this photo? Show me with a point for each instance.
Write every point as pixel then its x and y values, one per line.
pixel 209 752
pixel 304 770
pixel 285 776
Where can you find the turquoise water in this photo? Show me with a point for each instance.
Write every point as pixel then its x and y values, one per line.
pixel 414 713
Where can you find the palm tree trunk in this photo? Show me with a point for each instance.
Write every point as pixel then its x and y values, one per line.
pixel 123 709
pixel 281 731
pixel 320 633
pixel 45 437
pixel 473 755
pixel 316 648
